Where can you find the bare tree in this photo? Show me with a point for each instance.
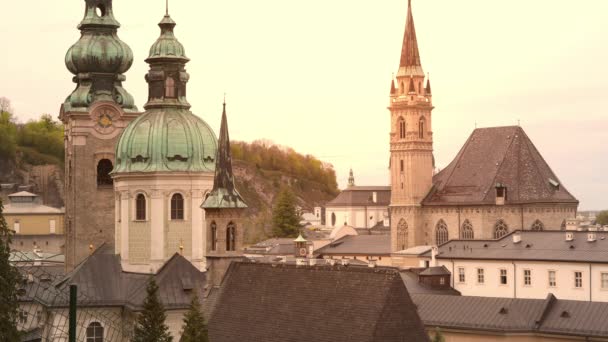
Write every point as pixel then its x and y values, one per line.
pixel 5 105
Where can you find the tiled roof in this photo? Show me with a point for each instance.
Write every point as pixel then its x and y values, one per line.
pixel 288 303
pixel 30 208
pixel 358 244
pixel 534 245
pixel 497 155
pixel 362 196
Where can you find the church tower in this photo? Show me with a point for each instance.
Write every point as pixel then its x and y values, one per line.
pixel 411 142
pixel 94 115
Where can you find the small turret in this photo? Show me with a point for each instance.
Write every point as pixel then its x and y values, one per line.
pixel 427 89
pixel 351 179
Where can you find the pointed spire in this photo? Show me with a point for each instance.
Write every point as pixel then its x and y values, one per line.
pixel 393 89
pixel 410 57
pixel 427 89
pixel 412 87
pixel 224 194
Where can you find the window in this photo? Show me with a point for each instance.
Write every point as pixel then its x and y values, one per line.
pixel 231 237
pixel 402 234
pixel 401 165
pixel 104 167
pixel 527 277
pixel 578 279
pixel 467 231
pixel 441 233
pixel 177 207
pixel 500 229
pixel 213 236
pixel 22 317
pixel 480 276
pixel 552 281
pixel 421 128
pixel 170 87
pixel 537 225
pixel 17 227
pixel 503 277
pixel 94 332
pixel 52 226
pixel 563 225
pixel 604 279
pixel 442 281
pixel 140 207
pixel 333 219
pixel 401 128
pixel 461 276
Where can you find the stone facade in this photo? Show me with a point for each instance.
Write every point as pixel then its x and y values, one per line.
pixel 217 253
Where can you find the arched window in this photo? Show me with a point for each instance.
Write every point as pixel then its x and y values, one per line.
pixel 177 207
pixel 467 231
pixel 563 226
pixel 421 128
pixel 441 232
pixel 213 236
pixel 500 229
pixel 231 237
pixel 170 87
pixel 401 128
pixel 95 332
pixel 140 207
pixel 333 219
pixel 402 234
pixel 538 225
pixel 402 88
pixel 104 167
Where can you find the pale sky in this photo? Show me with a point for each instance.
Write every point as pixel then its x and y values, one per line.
pixel 314 75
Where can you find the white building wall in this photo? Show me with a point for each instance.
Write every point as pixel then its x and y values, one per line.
pixel 358 217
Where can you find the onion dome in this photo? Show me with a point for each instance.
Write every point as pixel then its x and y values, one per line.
pixel 167 46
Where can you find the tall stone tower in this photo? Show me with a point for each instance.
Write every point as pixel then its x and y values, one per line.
pixel 94 115
pixel 411 142
pixel 224 213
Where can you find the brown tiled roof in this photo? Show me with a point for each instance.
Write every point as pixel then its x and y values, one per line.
pixel 362 196
pixel 497 155
pixel 288 303
pixel 358 244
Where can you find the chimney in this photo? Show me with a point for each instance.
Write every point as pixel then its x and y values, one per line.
pixel 516 237
pixel 569 236
pixel 591 237
pixel 375 197
pixel 434 252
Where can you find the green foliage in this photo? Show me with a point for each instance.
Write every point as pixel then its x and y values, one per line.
pixel 285 220
pixel 150 326
pixel 268 157
pixel 10 279
pixel 602 217
pixel 44 135
pixel 438 336
pixel 8 136
pixel 194 328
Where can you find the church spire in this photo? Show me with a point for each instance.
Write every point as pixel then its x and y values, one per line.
pixel 410 56
pixel 224 194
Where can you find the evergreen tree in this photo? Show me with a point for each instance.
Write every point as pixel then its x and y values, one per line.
pixel 150 326
pixel 10 278
pixel 194 328
pixel 285 220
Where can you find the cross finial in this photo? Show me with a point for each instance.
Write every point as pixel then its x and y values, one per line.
pixel 167 7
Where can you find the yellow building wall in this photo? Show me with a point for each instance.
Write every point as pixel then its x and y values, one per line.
pixel 480 336
pixel 35 224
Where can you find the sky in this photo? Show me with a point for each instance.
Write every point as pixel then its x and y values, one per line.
pixel 315 75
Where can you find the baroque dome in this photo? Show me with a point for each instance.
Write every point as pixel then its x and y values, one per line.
pixel 167 46
pixel 166 139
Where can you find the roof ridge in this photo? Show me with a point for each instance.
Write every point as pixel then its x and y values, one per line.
pixel 548 305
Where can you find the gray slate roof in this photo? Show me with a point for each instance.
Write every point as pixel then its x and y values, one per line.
pixel 362 196
pixel 497 155
pixel 358 244
pixel 534 245
pixel 288 303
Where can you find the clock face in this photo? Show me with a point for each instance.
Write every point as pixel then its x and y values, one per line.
pixel 105 116
pixel 104 120
pixel 302 251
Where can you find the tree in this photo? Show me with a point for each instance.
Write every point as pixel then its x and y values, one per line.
pixel 150 326
pixel 285 219
pixel 5 105
pixel 194 328
pixel 602 217
pixel 438 337
pixel 10 278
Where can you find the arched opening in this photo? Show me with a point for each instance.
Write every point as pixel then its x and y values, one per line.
pixel 467 231
pixel 170 88
pixel 140 207
pixel 177 207
pixel 441 233
pixel 421 128
pixel 401 128
pixel 402 88
pixel 500 229
pixel 402 234
pixel 563 225
pixel 95 332
pixel 538 225
pixel 213 236
pixel 100 10
pixel 104 167
pixel 333 219
pixel 231 237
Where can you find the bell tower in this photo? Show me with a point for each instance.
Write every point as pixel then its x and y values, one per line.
pixel 411 142
pixel 94 115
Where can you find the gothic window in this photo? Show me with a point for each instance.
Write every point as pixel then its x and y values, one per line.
pixel 421 128
pixel 95 332
pixel 401 128
pixel 213 236
pixel 538 225
pixel 401 165
pixel 402 88
pixel 441 232
pixel 231 237
pixel 104 167
pixel 170 87
pixel 140 207
pixel 333 219
pixel 467 231
pixel 177 207
pixel 563 226
pixel 500 229
pixel 402 234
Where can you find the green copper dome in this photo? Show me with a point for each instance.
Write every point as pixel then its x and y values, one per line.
pixel 166 139
pixel 167 46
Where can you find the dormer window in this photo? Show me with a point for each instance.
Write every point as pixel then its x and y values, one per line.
pixel 501 194
pixel 170 88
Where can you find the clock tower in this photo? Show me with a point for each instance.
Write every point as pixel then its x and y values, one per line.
pixel 94 115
